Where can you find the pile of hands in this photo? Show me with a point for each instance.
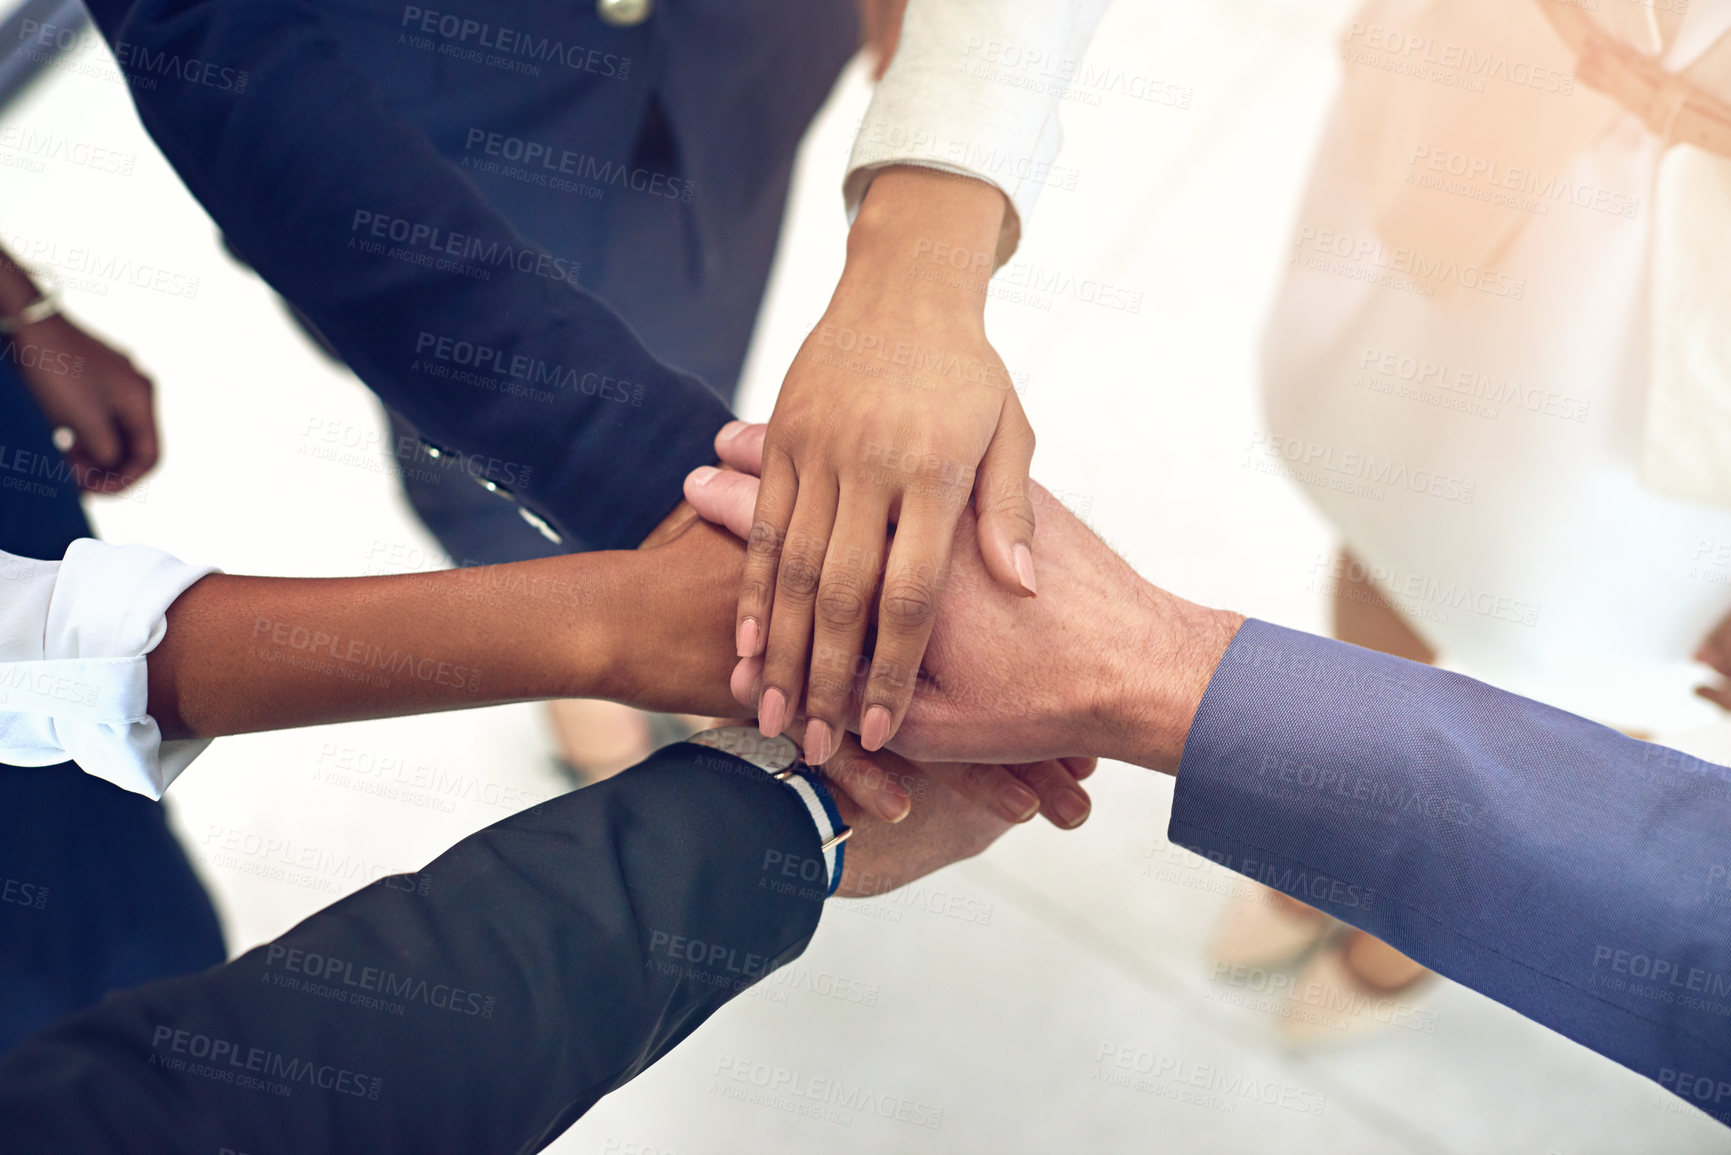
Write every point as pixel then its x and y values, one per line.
pixel 1014 699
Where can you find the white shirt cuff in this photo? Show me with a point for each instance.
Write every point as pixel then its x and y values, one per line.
pixel 960 97
pixel 74 683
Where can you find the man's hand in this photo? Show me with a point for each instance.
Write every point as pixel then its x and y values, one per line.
pixel 93 390
pixel 950 823
pixel 1101 664
pixel 896 411
pixel 669 653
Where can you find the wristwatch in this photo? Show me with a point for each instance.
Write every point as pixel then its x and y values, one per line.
pixel 779 757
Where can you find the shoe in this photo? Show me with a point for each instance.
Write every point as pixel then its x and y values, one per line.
pixel 1267 932
pixel 1331 1002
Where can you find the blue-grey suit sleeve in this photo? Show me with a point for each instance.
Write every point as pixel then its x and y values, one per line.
pixel 482 342
pixel 1571 873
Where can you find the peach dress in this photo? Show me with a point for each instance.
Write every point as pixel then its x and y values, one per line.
pixel 1460 365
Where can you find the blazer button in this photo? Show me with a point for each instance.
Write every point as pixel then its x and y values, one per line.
pixel 624 13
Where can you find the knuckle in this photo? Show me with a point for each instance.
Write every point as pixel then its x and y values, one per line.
pixel 891 681
pixel 753 594
pixel 839 658
pixel 826 693
pixel 978 777
pixel 1011 503
pixel 764 544
pixel 841 603
pixel 908 604
pixel 799 577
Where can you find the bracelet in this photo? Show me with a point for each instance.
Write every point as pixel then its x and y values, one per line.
pixel 46 305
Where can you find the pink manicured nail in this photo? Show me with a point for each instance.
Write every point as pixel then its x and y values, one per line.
pixel 875 728
pixel 729 431
pixel 749 636
pixel 703 475
pixel 772 712
pixel 1024 566
pixel 819 742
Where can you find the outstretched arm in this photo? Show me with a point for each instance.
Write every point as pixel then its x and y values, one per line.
pixel 1553 864
pixel 897 409
pixel 95 671
pixel 485 1003
pixel 647 627
pixel 480 339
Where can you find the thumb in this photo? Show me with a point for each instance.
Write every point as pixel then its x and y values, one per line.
pixel 723 496
pixel 1005 506
pixel 741 446
pixel 96 439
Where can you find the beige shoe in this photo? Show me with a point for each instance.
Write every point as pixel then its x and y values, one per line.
pixel 1331 1002
pixel 1267 932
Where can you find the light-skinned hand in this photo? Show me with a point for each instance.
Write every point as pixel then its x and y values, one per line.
pixel 1102 664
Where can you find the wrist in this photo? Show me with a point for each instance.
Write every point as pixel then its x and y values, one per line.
pixel 667 639
pixel 926 237
pixel 1154 694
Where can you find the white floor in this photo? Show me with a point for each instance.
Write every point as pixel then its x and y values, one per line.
pixel 988 1024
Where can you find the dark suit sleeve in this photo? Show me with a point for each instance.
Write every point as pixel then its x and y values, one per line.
pixel 484 344
pixel 479 1006
pixel 1565 870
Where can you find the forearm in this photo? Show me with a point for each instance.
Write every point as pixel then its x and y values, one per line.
pixel 541 387
pixel 243 654
pixel 1550 863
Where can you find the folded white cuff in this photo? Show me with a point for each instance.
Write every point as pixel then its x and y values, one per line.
pixel 74 683
pixel 959 97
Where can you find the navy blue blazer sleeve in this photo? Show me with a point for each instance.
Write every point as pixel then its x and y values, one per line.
pixel 483 343
pixel 1563 869
pixel 479 1006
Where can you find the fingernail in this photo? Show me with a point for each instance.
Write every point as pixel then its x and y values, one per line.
pixel 819 742
pixel 749 635
pixel 874 729
pixel 730 431
pixel 772 712
pixel 892 807
pixel 703 475
pixel 1025 566
pixel 1018 802
pixel 1071 809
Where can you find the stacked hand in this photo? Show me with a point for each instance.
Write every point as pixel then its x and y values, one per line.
pixel 1102 664
pixel 666 661
pixel 896 411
